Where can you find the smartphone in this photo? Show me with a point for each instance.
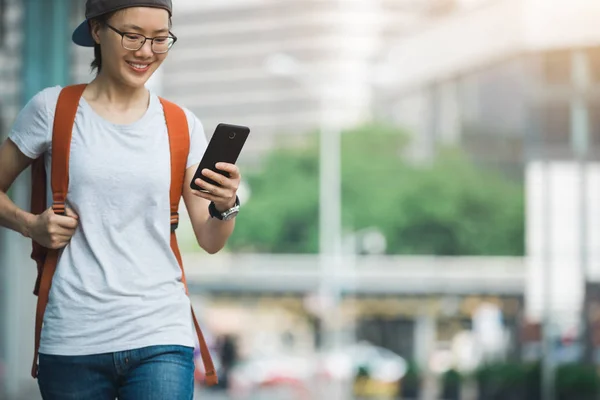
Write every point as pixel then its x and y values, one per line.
pixel 225 145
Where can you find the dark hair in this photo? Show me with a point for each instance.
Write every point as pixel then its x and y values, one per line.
pixel 97 61
pixel 102 20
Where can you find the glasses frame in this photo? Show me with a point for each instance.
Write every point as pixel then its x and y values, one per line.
pixel 122 34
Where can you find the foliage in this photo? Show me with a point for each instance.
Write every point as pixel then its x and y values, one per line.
pixel 503 380
pixel 452 377
pixel 446 207
pixel 410 384
pixel 518 381
pixel 577 380
pixel 451 381
pixel 282 214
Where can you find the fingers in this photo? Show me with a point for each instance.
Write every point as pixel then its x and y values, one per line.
pixel 220 179
pixel 69 221
pixel 231 182
pixel 207 196
pixel 58 231
pixel 64 231
pixel 234 172
pixel 223 193
pixel 214 191
pixel 71 213
pixel 60 237
pixel 63 239
pixel 66 222
pixel 59 242
pixel 55 231
pixel 222 198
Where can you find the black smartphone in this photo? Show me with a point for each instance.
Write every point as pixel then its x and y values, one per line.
pixel 225 145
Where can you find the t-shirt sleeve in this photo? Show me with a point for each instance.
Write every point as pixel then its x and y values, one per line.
pixel 198 141
pixel 32 130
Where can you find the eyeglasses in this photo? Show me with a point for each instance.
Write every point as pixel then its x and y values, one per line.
pixel 135 41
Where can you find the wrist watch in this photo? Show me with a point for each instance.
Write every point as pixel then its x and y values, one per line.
pixel 226 215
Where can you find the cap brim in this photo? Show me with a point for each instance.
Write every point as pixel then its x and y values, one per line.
pixel 82 35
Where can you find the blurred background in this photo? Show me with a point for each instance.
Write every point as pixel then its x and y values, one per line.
pixel 421 198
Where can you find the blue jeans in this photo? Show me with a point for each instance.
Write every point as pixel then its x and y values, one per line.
pixel 149 373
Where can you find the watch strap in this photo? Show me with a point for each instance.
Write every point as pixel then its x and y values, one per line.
pixel 212 209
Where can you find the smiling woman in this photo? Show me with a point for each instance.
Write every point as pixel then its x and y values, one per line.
pixel 122 35
pixel 116 318
pixel 132 38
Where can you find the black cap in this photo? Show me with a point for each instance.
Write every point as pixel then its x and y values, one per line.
pixel 95 8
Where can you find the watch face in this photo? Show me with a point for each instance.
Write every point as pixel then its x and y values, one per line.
pixel 230 215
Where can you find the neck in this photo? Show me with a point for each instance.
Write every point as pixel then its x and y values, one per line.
pixel 106 89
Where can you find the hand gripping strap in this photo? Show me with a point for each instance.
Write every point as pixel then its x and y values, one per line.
pixel 64 119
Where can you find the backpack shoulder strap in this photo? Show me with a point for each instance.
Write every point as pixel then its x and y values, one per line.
pixel 179 143
pixel 64 119
pixel 38 206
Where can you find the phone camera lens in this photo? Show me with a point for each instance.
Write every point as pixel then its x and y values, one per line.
pixel 231 135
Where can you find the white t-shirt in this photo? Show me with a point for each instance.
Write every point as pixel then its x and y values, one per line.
pixel 117 285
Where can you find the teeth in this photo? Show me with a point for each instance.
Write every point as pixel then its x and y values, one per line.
pixel 139 66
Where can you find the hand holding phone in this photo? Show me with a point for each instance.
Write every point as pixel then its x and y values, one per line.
pixel 225 146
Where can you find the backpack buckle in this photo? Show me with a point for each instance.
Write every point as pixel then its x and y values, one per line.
pixel 59 208
pixel 174 221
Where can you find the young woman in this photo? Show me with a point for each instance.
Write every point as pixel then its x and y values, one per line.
pixel 118 321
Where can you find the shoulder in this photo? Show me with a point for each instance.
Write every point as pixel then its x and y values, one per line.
pixel 32 129
pixel 44 100
pixel 51 92
pixel 198 140
pixel 194 123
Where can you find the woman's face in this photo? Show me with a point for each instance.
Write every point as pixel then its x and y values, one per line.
pixel 132 68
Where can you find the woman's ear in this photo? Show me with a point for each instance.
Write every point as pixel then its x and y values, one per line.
pixel 95 27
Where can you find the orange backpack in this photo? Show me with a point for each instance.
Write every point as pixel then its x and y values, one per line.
pixel 47 259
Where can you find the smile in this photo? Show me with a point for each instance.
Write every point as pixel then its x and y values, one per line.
pixel 139 67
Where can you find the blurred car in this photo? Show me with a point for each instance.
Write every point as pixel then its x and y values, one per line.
pixel 300 373
pixel 347 363
pixel 272 370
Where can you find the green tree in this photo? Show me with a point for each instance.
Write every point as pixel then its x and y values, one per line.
pixel 448 207
pixel 282 214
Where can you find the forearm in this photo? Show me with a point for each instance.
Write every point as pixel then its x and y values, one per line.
pixel 12 217
pixel 213 234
